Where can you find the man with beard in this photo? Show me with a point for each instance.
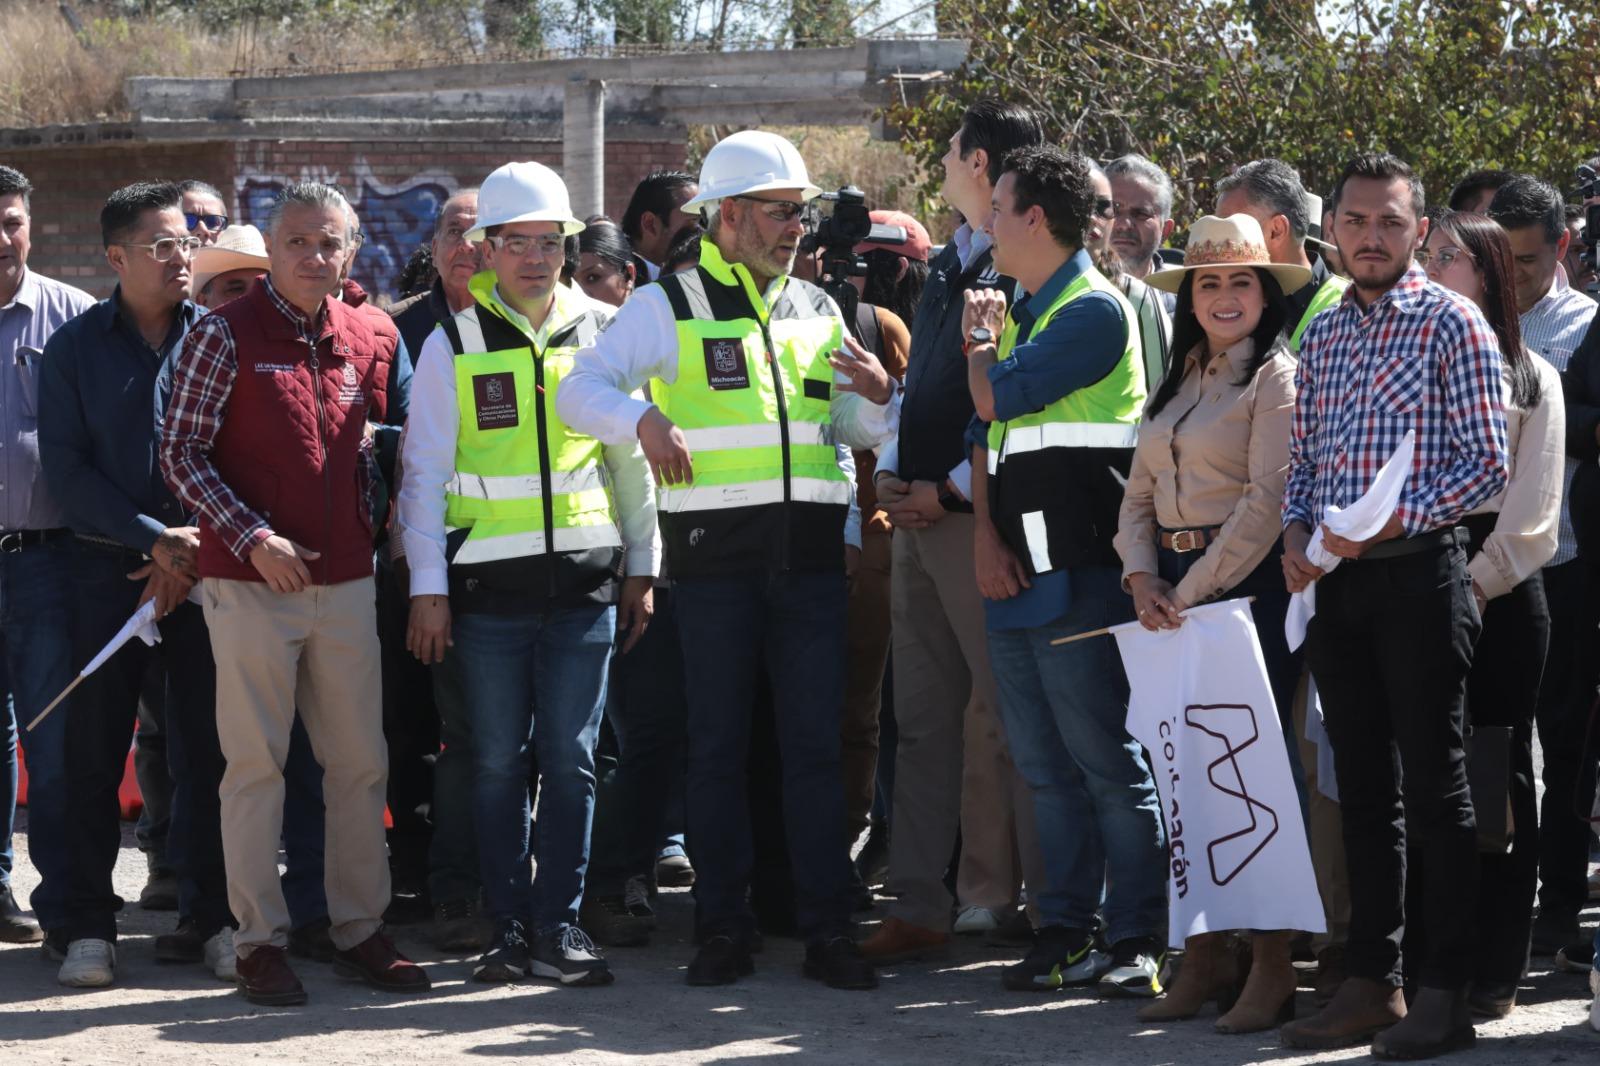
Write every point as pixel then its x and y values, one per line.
pixel 657 222
pixel 741 362
pixel 1392 637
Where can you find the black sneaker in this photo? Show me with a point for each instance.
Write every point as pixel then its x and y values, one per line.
pixel 569 956
pixel 313 941
pixel 16 927
pixel 721 960
pixel 183 944
pixel 1551 934
pixel 837 962
pixel 507 958
pixel 1061 957
pixel 1576 957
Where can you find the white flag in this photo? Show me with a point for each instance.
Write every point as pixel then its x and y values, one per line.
pixel 1202 707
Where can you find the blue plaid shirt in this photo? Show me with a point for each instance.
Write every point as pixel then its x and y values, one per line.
pixel 1422 358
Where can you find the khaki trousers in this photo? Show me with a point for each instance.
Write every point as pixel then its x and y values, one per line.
pixel 317 650
pixel 1327 836
pixel 867 644
pixel 952 766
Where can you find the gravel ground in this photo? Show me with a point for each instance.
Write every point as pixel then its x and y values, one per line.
pixel 954 1011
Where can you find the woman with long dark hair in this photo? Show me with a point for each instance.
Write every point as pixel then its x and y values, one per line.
pixel 1201 521
pixel 605 264
pixel 1513 536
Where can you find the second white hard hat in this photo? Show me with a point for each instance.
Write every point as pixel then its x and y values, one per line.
pixel 751 161
pixel 523 192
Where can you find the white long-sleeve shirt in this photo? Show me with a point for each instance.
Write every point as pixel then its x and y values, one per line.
pixel 600 395
pixel 429 459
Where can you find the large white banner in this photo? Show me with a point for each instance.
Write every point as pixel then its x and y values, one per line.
pixel 1202 707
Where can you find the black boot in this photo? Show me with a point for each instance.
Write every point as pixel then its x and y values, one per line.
pixel 1438 1021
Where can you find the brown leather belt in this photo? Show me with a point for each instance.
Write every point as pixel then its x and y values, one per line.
pixel 1188 540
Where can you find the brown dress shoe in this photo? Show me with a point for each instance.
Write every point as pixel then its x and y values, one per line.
pixel 899 941
pixel 265 978
pixel 1359 1011
pixel 376 962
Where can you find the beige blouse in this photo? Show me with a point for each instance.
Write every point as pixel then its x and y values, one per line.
pixel 1216 455
pixel 1529 507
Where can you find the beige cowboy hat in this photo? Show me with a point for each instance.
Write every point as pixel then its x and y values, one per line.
pixel 238 247
pixel 1232 241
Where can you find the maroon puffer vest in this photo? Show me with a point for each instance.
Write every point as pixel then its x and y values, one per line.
pixel 291 440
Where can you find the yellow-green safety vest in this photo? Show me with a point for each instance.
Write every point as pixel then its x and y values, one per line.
pixel 1330 292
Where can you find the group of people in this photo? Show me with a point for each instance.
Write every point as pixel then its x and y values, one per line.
pixel 629 525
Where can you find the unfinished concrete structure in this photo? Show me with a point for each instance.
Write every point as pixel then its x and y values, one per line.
pixel 400 142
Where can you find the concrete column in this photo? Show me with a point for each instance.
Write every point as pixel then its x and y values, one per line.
pixel 583 145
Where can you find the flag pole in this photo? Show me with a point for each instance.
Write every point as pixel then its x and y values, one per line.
pixel 64 694
pixel 1102 631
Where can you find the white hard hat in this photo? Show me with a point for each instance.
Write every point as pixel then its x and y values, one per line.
pixel 751 161
pixel 523 192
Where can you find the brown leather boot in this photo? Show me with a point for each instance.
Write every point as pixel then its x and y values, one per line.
pixel 1360 1010
pixel 1438 1022
pixel 900 941
pixel 1268 997
pixel 265 978
pixel 1206 972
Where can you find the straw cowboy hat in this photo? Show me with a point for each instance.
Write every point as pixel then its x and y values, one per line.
pixel 238 247
pixel 1235 241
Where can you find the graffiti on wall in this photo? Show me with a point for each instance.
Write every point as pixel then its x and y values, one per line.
pixel 395 219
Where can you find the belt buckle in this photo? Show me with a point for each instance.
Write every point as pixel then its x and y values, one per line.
pixel 10 543
pixel 1186 540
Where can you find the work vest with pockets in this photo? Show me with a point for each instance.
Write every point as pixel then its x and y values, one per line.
pixel 527 512
pixel 752 395
pixel 1329 293
pixel 1056 476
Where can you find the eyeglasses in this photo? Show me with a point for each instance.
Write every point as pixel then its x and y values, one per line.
pixel 1442 258
pixel 211 222
pixel 777 210
pixel 550 245
pixel 163 250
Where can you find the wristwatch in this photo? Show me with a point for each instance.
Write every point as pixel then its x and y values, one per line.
pixel 977 338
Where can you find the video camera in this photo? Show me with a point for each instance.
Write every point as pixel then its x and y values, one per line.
pixel 1589 188
pixel 836 235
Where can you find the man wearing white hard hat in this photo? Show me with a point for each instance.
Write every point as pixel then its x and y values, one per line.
pixel 518 530
pixel 755 382
pixel 224 269
pixel 1269 191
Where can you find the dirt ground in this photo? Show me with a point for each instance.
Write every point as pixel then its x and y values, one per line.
pixel 951 1012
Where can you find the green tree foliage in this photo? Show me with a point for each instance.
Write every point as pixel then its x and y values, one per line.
pixel 1201 86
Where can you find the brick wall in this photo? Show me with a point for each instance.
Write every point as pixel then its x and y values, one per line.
pixel 396 188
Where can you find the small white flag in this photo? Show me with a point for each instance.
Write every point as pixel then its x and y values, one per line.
pixel 1202 706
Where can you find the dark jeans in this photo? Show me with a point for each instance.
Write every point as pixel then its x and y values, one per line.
pixel 102 715
pixel 304 832
pixel 735 631
pixel 411 728
pixel 1565 698
pixel 1502 690
pixel 647 711
pixel 1284 667
pixel 36 609
pixel 534 680
pixel 150 769
pixel 1390 647
pixel 453 851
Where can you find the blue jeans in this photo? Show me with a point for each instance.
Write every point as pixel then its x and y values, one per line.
pixel 1065 710
pixel 735 632
pixel 36 651
pixel 535 679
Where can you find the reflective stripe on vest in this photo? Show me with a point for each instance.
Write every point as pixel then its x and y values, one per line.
pixel 752 391
pixel 1329 293
pixel 525 484
pixel 1065 435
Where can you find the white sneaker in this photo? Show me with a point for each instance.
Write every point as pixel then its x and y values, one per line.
pixel 220 957
pixel 974 920
pixel 90 964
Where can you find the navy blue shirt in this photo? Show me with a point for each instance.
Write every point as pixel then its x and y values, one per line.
pixel 1081 344
pixel 101 406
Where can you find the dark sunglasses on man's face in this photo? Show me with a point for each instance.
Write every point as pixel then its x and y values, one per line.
pixel 212 222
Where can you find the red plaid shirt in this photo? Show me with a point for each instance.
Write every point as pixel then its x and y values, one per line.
pixel 202 380
pixel 1420 357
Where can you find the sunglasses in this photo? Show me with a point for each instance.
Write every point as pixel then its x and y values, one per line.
pixel 211 222
pixel 777 210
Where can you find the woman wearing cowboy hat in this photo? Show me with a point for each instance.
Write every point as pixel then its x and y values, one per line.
pixel 1200 522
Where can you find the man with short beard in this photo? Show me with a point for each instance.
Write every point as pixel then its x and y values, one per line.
pixel 752 501
pixel 1391 640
